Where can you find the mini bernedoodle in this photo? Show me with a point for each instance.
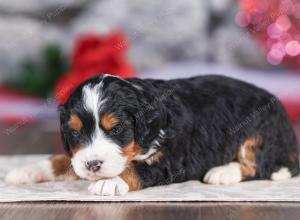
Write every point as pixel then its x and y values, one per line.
pixel 127 135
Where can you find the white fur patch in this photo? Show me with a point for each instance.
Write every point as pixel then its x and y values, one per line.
pixel 39 172
pixel 141 157
pixel 161 133
pixel 225 175
pixel 152 149
pixel 101 148
pixel 282 174
pixel 92 97
pixel 137 87
pixel 109 187
pixel 243 151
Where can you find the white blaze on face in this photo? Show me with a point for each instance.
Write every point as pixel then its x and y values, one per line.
pixel 100 148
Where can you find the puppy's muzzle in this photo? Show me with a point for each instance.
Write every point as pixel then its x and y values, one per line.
pixel 94 165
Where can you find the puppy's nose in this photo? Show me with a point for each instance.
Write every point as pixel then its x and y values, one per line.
pixel 93 165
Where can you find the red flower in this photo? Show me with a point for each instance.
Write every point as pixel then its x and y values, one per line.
pixel 94 55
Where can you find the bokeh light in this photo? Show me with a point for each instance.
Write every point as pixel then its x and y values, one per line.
pixel 292 48
pixel 276 24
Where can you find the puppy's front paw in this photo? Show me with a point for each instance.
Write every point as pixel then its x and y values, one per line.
pixel 37 173
pixel 109 187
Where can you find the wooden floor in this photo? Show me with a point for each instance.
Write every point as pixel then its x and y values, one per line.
pixel 150 211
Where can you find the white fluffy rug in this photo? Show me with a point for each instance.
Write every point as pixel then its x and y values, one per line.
pixel 288 190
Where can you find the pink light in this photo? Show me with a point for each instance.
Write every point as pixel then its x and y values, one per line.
pixel 292 48
pixel 283 23
pixel 274 32
pixel 297 37
pixel 249 5
pixel 257 19
pixel 286 7
pixel 242 19
pixel 297 10
pixel 270 42
pixel 275 57
pixel 285 37
pixel 262 6
pixel 279 46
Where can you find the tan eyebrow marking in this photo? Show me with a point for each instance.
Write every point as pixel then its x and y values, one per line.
pixel 109 120
pixel 75 123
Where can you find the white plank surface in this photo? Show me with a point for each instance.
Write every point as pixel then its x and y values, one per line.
pixel 288 190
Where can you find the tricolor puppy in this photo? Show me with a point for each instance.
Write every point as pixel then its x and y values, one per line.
pixel 126 135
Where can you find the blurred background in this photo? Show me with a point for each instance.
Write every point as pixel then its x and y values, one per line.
pixel 49 46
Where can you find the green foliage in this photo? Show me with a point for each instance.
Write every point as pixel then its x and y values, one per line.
pixel 39 79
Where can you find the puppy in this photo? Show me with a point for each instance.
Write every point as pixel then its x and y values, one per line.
pixel 127 135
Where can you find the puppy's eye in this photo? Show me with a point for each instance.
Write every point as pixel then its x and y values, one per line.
pixel 75 133
pixel 116 130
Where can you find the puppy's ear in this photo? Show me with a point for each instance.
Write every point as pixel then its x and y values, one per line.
pixel 148 120
pixel 63 120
